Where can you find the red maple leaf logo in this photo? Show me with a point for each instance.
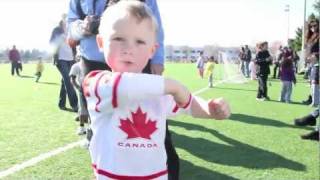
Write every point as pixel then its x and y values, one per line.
pixel 138 127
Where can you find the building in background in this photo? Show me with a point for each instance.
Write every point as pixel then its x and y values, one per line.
pixel 190 54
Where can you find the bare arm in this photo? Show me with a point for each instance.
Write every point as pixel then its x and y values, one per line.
pixel 155 86
pixel 215 108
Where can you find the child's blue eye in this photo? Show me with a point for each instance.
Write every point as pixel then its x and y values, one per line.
pixel 140 42
pixel 118 39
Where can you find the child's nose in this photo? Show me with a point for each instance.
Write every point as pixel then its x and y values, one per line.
pixel 127 48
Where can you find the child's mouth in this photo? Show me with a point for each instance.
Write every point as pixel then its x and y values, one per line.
pixel 127 62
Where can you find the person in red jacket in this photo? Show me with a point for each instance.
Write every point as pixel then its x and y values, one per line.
pixel 14 57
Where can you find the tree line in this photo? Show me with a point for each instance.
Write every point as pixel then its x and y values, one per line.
pixel 26 55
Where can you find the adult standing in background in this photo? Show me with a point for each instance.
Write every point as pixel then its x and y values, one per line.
pixel 200 64
pixel 83 22
pixel 312 39
pixel 242 57
pixel 312 55
pixel 247 60
pixel 64 58
pixel 263 61
pixel 14 57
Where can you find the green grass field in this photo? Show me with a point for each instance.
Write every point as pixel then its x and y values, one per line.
pixel 259 141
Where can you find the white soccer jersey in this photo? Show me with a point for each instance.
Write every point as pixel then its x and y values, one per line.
pixel 128 113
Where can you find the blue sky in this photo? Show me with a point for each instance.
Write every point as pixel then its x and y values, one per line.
pixel 186 22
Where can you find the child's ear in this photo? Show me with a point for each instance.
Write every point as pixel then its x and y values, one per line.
pixel 154 49
pixel 99 40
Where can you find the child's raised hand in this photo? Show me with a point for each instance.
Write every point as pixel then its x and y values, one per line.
pixel 219 108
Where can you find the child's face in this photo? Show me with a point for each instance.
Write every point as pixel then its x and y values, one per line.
pixel 128 44
pixel 265 47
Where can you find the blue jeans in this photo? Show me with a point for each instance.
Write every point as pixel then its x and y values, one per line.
pixel 66 86
pixel 315 93
pixel 286 91
pixel 263 88
pixel 245 68
pixel 15 67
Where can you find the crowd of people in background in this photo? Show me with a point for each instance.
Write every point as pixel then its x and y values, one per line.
pixel 285 64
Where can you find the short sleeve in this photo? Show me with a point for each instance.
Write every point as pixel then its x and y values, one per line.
pixel 106 90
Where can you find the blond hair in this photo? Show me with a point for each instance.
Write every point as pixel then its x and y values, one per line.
pixel 128 8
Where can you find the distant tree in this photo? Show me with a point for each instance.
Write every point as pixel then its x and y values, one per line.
pixel 35 53
pixel 6 53
pixel 316 6
pixel 312 16
pixel 27 55
pixel 297 41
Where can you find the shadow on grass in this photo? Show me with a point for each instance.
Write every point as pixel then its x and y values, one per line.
pixel 264 121
pixel 26 76
pixel 292 102
pixel 193 172
pixel 235 89
pixel 302 81
pixel 67 109
pixel 49 83
pixel 273 79
pixel 235 153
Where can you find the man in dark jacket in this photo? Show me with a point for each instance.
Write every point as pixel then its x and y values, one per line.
pixel 263 61
pixel 14 57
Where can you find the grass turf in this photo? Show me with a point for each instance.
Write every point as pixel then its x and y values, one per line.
pixel 258 142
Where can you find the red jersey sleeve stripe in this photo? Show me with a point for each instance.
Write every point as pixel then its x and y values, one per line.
pixel 85 83
pixel 188 103
pixel 96 92
pixel 176 107
pixel 114 90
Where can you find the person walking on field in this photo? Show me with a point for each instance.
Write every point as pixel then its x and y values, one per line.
pixel 209 71
pixel 64 58
pixel 14 57
pixel 39 69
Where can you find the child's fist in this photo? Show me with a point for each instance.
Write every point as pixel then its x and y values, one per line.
pixel 219 108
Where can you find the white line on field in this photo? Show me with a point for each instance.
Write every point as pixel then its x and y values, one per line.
pixel 214 84
pixel 44 156
pixel 35 160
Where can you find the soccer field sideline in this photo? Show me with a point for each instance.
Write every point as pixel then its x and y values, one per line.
pixel 33 161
